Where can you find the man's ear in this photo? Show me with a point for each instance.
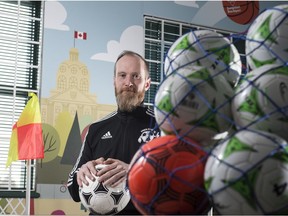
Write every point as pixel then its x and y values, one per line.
pixel 147 84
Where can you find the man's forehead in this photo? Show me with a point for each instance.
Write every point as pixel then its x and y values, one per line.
pixel 136 66
pixel 133 58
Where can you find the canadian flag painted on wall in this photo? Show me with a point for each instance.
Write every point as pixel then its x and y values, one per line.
pixel 80 35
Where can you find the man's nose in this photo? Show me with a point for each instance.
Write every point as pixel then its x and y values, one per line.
pixel 128 81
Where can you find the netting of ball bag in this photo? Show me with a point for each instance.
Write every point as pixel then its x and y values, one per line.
pixel 224 126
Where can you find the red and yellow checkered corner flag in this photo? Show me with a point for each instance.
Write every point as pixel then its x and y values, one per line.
pixel 26 140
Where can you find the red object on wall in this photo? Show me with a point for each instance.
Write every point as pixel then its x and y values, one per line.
pixel 241 12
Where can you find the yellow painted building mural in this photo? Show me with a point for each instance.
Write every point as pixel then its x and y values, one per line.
pixel 70 96
pixel 72 93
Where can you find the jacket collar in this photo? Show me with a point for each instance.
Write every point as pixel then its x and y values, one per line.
pixel 138 111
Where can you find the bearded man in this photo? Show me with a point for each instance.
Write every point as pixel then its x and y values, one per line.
pixel 115 139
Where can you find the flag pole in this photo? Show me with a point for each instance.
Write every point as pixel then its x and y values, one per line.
pixel 28 183
pixel 74 39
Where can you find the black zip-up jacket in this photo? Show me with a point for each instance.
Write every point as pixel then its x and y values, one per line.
pixel 119 135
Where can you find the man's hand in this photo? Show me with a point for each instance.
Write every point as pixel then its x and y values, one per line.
pixel 88 169
pixel 114 173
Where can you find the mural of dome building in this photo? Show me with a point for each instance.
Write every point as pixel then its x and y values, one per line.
pixel 72 93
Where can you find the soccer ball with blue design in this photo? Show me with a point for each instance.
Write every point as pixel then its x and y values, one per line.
pixel 103 200
pixel 261 100
pixel 205 48
pixel 267 38
pixel 195 103
pixel 247 174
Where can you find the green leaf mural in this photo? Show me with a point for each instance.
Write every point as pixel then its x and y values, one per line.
pixel 51 142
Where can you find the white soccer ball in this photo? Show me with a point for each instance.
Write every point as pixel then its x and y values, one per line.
pixel 192 102
pixel 247 174
pixel 205 48
pixel 261 100
pixel 103 200
pixel 267 38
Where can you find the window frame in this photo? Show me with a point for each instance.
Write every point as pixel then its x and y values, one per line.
pixel 21 33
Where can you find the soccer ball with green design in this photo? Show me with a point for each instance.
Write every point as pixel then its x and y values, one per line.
pixel 267 38
pixel 261 100
pixel 247 174
pixel 192 102
pixel 205 48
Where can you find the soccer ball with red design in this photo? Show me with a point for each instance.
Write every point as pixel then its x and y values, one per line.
pixel 166 177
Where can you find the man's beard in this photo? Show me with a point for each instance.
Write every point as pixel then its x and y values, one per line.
pixel 128 99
